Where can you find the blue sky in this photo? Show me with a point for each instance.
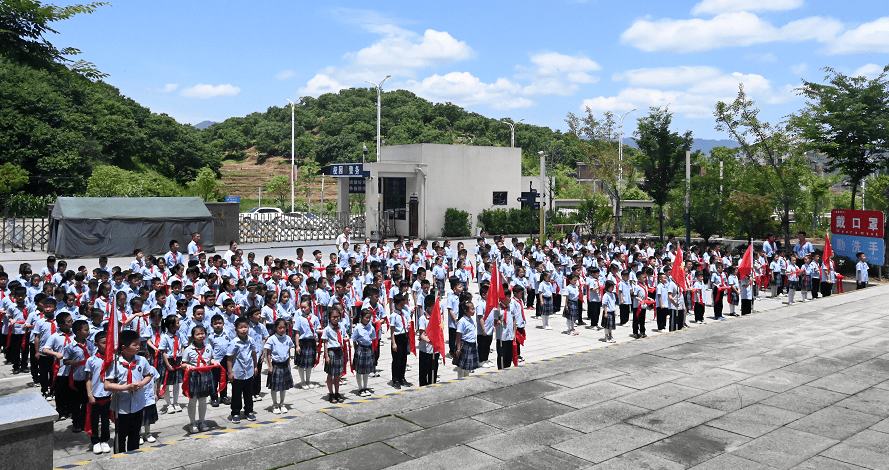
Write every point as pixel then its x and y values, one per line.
pixel 537 61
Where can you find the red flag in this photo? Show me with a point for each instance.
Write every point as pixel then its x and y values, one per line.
pixel 413 339
pixel 111 341
pixel 435 331
pixel 746 265
pixel 678 271
pixel 495 292
pixel 828 250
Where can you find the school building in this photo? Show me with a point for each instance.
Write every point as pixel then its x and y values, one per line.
pixel 411 186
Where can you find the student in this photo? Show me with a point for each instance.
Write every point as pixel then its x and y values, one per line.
pixel 813 270
pixel 609 307
pixel 504 324
pixel 98 408
pixel 17 313
pixel 746 290
pixel 572 313
pixel 861 268
pixel 149 412
pixel 241 366
pixel 467 351
pixel 280 378
pixel 65 397
pixel 307 328
pixel 664 302
pixel 828 276
pixel 624 297
pixel 171 360
pixel 258 335
pixel 452 303
pixel 76 355
pixel 399 329
pixel 640 295
pixel 734 291
pixel 718 280
pixel 219 338
pixel 44 330
pixel 545 306
pixel 518 294
pixel 697 289
pixel 127 377
pixel 794 283
pixel 200 384
pixel 363 336
pixel 428 358
pixel 594 297
pixel 332 350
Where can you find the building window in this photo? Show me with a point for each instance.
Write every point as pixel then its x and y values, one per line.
pixel 499 198
pixel 395 196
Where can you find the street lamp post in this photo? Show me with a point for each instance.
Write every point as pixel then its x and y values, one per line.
pixel 620 169
pixel 512 130
pixel 379 87
pixel 292 154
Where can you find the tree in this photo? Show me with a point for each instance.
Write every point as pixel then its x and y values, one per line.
pixel 594 212
pixel 23 23
pixel 12 178
pixel 308 174
pixel 847 120
pixel 205 185
pixel 662 156
pixel 598 143
pixel 279 186
pixel 876 198
pixel 749 213
pixel 772 150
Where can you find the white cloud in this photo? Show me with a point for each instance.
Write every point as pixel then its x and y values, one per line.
pixel 724 30
pixel 203 92
pixel 688 90
pixel 467 90
pixel 320 84
pixel 870 37
pixel 405 51
pixel 168 88
pixel 768 57
pixel 715 7
pixel 284 74
pixel 870 71
pixel 557 74
pixel 799 69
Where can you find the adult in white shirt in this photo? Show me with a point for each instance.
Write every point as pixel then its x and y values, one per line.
pixel 343 238
pixel 232 250
pixel 194 246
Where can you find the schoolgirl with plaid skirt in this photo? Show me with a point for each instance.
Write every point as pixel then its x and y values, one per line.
pixel 467 350
pixel 572 308
pixel 170 363
pixel 545 308
pixel 280 378
pixel 306 328
pixel 332 351
pixel 200 384
pixel 363 336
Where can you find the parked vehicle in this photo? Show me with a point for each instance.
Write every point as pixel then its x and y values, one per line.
pixel 263 214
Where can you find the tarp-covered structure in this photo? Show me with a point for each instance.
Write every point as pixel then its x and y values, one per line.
pixel 116 226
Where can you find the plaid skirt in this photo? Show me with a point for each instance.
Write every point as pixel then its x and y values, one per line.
pixel 281 378
pixel 175 377
pixel 608 320
pixel 440 284
pixel 733 298
pixel 307 353
pixel 364 359
pixel 468 356
pixel 149 414
pixel 337 362
pixel 546 306
pixel 795 285
pixel 572 311
pixel 201 385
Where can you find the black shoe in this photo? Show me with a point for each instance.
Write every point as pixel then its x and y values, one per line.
pixel 580 323
pixel 227 401
pixel 405 383
pixel 645 336
pixel 16 371
pixel 214 403
pixel 396 385
pixel 76 430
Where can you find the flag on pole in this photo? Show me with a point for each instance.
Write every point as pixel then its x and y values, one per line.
pixel 828 250
pixel 678 271
pixel 111 341
pixel 746 266
pixel 495 292
pixel 435 331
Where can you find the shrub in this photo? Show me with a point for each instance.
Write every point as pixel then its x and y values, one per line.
pixel 29 205
pixel 456 224
pixel 512 221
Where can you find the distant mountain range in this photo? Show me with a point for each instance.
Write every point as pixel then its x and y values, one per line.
pixel 704 145
pixel 204 124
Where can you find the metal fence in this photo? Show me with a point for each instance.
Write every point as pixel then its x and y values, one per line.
pixel 301 227
pixel 25 234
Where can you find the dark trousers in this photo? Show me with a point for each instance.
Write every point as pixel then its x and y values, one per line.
pixel 699 312
pixel 257 381
pixel 518 347
pixel 717 304
pixel 45 376
pixel 399 358
pixel 746 306
pixel 484 347
pixel 100 415
pixel 242 390
pixel 639 322
pixel 452 341
pixel 217 376
pixel 128 427
pixel 860 285
pixel 18 356
pixel 579 304
pixel 662 318
pixel 78 404
pixel 592 311
pixel 531 296
pixel 428 368
pixel 35 362
pixel 64 395
pixel 624 313
pixel 677 319
pixel 826 289
pixel 504 354
pixel 816 287
pixel 557 304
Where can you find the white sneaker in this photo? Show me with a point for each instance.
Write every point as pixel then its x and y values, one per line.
pixel 276 410
pixel 150 438
pixel 194 429
pixel 547 327
pixel 141 441
pixel 105 448
pixel 177 408
pixel 284 409
pixel 97 449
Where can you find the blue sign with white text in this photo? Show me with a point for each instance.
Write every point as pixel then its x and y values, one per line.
pixel 344 170
pixel 848 245
pixel 233 199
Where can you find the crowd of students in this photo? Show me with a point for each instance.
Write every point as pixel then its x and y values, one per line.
pixel 204 324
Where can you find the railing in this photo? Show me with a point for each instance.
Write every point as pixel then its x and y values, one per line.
pixel 300 227
pixel 25 234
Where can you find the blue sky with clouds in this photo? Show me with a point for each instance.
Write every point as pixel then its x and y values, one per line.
pixel 537 61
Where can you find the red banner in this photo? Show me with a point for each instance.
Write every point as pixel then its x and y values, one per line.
pixel 857 223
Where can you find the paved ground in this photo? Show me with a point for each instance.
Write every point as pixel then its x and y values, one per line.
pixel 803 387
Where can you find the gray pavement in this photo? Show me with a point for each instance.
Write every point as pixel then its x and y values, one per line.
pixel 803 386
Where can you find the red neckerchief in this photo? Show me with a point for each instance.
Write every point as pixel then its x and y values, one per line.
pixel 339 336
pixel 200 359
pixel 130 366
pixel 52 327
pixel 175 346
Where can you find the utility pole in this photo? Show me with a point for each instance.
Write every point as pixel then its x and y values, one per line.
pixel 512 130
pixel 688 198
pixel 292 154
pixel 379 88
pixel 542 191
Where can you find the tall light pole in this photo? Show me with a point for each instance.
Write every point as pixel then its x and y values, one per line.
pixel 379 87
pixel 620 169
pixel 292 153
pixel 512 130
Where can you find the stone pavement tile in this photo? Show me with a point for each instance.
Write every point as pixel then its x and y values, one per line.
pixel 460 457
pixel 263 458
pixel 778 380
pixel 675 418
pixel 794 352
pixel 728 356
pixel 874 401
pixel 857 456
pixel 697 445
pixel 730 461
pixel 818 366
pixel 525 440
pixel 870 439
pixel 369 457
pixel 712 379
pixel 603 444
pixel 756 364
pixel 853 355
pixel 755 420
pixel 823 463
pixel 439 438
pixel 599 416
pixel 879 343
pixel 585 376
pixel 589 395
pixel 449 411
pixel 523 414
pixel 647 378
pixel 784 448
pixel 547 458
pixel 639 362
pixel 660 396
pixel 360 434
pixel 685 351
pixel 882 426
pixel 805 399
pixel 878 367
pixel 847 381
pixel 518 393
pixel 720 341
pixel 835 422
pixel 694 367
pixel 638 459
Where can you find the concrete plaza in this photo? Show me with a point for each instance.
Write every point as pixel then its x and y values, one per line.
pixel 804 386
